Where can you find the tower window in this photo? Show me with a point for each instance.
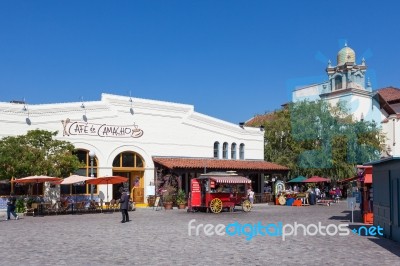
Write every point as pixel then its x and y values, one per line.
pixel 338 83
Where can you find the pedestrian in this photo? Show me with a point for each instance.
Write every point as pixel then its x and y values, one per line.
pixel 250 194
pixel 317 192
pixel 11 206
pixel 124 205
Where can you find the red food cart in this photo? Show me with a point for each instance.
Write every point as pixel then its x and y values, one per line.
pixel 218 190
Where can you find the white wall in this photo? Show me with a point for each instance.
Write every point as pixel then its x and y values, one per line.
pixel 170 129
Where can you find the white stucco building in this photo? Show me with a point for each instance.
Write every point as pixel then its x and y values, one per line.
pixel 126 134
pixel 347 82
pixel 389 101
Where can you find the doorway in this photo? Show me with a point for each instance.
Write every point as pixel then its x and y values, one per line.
pixel 135 185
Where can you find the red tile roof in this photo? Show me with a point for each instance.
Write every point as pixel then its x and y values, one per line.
pixel 259 120
pixel 390 94
pixel 199 163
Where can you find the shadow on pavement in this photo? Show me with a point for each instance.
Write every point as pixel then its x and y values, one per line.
pixel 387 244
pixel 346 217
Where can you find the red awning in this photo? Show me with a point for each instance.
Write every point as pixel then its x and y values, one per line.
pixel 231 179
pixel 348 179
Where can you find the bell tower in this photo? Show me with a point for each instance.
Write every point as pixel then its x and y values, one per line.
pixel 347 75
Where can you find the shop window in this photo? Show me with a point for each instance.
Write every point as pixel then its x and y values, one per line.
pixel 117 161
pixel 216 149
pixel 225 150
pixel 139 161
pixel 85 170
pixel 5 188
pixel 241 151
pixel 233 151
pixel 128 159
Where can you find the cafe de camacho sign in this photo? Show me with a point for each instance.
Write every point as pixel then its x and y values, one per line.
pixel 101 130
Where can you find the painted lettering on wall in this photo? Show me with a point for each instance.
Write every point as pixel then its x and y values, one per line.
pixel 101 130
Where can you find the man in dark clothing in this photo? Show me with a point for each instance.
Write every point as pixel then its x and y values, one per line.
pixel 11 206
pixel 124 204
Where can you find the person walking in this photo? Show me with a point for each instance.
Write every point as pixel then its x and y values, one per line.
pixel 124 205
pixel 11 206
pixel 317 192
pixel 250 194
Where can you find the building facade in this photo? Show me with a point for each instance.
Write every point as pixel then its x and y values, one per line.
pixel 386 195
pixel 124 134
pixel 347 83
pixel 389 101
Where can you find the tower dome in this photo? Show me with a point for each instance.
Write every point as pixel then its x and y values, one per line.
pixel 346 55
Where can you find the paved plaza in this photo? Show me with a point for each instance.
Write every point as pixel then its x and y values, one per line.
pixel 161 238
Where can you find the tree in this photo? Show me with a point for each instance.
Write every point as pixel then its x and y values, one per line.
pixel 36 153
pixel 314 138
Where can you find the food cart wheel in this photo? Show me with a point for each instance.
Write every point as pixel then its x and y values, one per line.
pixel 246 205
pixel 216 205
pixel 282 200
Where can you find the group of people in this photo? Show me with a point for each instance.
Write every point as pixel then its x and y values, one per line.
pixel 321 192
pixel 124 205
pixel 334 193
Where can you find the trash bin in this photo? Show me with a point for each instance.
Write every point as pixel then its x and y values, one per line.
pixel 312 199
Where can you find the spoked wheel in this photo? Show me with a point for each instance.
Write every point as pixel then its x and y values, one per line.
pixel 246 205
pixel 216 205
pixel 282 200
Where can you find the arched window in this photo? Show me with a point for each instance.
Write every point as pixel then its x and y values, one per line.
pixel 241 151
pixel 338 83
pixel 225 150
pixel 233 151
pixel 85 170
pixel 216 149
pixel 128 159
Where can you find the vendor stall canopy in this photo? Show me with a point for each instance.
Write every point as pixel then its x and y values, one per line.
pixel 298 179
pixel 229 177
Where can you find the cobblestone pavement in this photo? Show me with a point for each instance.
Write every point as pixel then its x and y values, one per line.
pixel 162 238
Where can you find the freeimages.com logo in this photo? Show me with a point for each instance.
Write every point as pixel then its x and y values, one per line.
pixel 249 230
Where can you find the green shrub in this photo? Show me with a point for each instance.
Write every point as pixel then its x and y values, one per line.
pixel 20 206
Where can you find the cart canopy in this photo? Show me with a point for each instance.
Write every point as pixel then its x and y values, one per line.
pixel 226 178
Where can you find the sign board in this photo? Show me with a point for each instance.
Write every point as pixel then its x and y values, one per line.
pixel 101 130
pixel 357 195
pixel 212 184
pixel 351 202
pixel 195 192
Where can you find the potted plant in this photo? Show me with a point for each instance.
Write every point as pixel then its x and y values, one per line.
pixel 181 199
pixel 168 196
pixel 151 200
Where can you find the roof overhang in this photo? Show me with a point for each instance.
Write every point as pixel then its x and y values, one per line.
pixel 217 164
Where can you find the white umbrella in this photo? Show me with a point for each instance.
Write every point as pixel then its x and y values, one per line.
pixel 73 179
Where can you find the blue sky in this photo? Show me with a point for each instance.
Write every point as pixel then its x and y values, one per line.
pixel 230 59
